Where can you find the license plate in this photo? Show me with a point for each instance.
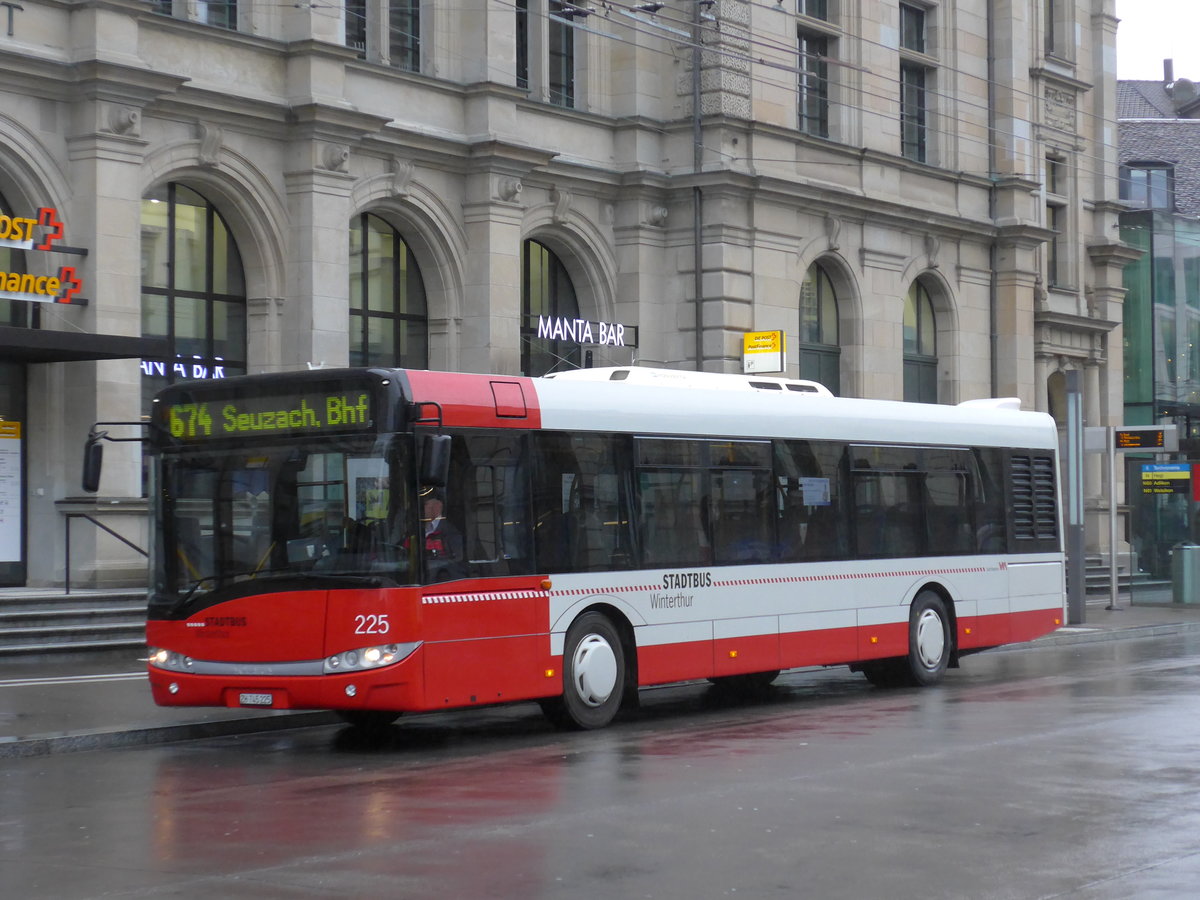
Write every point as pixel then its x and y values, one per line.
pixel 255 699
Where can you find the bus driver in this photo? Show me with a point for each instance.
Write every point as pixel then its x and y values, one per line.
pixel 443 542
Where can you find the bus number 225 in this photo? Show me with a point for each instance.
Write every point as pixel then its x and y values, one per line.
pixel 371 624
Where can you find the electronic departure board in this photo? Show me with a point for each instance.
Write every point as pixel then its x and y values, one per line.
pixel 1140 438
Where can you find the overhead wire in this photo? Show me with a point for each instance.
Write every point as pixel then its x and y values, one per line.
pixel 958 99
pixel 662 21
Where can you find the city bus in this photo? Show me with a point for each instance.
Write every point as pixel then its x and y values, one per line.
pixel 384 541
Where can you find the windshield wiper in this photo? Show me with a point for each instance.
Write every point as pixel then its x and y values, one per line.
pixel 228 577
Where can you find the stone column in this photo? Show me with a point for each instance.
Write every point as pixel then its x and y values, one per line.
pixel 491 312
pixel 883 317
pixel 493 213
pixel 316 317
pixel 316 322
pixel 105 153
pixel 1016 275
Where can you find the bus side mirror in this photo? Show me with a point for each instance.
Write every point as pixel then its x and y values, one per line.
pixel 435 460
pixel 93 457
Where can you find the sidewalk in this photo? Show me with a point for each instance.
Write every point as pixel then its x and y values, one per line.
pixel 63 704
pixel 66 703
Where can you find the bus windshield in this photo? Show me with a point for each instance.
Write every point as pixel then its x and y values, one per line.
pixel 334 507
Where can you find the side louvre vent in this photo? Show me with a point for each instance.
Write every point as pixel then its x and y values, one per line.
pixel 1034 515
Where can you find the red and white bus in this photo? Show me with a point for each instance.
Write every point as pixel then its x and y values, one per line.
pixel 385 541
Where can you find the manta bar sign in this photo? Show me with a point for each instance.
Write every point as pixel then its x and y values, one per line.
pixel 582 331
pixel 43 233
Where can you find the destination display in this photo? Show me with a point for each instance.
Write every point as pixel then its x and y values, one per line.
pixel 279 414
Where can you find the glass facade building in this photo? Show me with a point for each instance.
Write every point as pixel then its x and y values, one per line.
pixel 1162 378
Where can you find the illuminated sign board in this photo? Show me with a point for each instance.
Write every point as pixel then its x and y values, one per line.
pixel 18 231
pixel 45 234
pixel 1140 438
pixel 194 369
pixel 583 331
pixel 61 288
pixel 280 414
pixel 1166 478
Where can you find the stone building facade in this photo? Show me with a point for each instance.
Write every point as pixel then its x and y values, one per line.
pixel 920 195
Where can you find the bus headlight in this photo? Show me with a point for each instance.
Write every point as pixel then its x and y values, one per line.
pixel 363 658
pixel 169 659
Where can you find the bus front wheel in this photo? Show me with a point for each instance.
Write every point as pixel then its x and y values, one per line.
pixel 593 675
pixel 367 719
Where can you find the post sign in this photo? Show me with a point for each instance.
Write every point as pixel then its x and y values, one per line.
pixel 762 351
pixel 44 234
pixel 1166 478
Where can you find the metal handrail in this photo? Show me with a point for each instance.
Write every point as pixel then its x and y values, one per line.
pixel 67 530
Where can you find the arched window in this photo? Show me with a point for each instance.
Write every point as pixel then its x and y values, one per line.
pixel 547 296
pixel 920 346
pixel 12 312
pixel 389 319
pixel 193 290
pixel 820 354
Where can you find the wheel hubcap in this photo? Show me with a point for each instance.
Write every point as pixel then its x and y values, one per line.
pixel 594 670
pixel 931 639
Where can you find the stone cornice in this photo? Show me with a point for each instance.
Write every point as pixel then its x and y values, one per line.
pixel 1025 235
pixel 1061 79
pixel 340 123
pixel 507 158
pixel 1113 253
pixel 1069 322
pixel 98 79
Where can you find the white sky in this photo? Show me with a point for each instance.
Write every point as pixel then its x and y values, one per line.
pixel 1154 30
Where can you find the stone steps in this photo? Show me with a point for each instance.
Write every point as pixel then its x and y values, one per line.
pixel 47 622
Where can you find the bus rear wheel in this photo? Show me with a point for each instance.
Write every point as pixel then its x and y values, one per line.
pixel 593 675
pixel 929 639
pixel 929 646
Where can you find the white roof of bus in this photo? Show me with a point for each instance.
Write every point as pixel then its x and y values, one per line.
pixel 712 381
pixel 697 406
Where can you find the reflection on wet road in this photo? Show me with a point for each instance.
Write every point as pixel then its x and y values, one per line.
pixel 1059 772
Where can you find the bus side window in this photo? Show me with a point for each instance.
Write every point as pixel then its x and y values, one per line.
pixel 580 508
pixel 556 503
pixel 948 504
pixel 488 495
pixel 673 519
pixel 741 514
pixel 810 526
pixel 991 531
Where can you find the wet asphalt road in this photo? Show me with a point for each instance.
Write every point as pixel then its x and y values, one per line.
pixel 1069 771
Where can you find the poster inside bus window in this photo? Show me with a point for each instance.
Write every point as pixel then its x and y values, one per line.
pixel 815 491
pixel 368 489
